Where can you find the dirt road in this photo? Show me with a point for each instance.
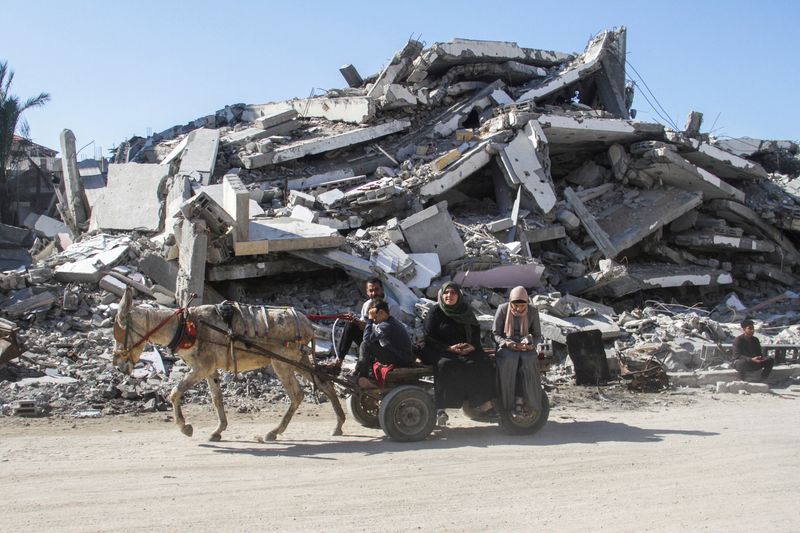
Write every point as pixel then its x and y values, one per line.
pixel 713 463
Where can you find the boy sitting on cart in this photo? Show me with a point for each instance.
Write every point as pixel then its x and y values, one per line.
pixel 386 341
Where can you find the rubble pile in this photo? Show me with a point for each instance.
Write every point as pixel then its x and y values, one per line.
pixel 482 162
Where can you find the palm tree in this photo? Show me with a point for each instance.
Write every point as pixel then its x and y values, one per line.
pixel 11 110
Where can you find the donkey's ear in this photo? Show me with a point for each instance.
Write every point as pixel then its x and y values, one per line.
pixel 125 302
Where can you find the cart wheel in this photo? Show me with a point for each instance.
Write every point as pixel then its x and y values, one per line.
pixel 526 424
pixel 407 414
pixel 364 410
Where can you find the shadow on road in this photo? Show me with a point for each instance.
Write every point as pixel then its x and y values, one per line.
pixel 553 433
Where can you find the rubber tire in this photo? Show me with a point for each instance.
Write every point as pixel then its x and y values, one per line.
pixel 364 410
pixel 514 426
pixel 407 414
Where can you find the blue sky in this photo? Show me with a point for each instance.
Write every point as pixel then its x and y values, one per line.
pixel 114 70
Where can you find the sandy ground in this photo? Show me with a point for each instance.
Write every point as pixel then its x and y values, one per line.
pixel 681 461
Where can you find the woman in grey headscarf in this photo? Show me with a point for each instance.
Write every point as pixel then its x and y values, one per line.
pixel 516 333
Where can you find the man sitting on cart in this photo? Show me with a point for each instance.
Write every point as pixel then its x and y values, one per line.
pixel 386 340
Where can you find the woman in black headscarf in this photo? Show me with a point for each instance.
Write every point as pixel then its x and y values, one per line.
pixel 462 370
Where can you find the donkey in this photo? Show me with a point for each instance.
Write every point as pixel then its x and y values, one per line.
pixel 289 333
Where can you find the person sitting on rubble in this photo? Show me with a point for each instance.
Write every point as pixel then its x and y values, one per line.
pixel 516 333
pixel 748 355
pixel 461 369
pixel 354 325
pixel 385 340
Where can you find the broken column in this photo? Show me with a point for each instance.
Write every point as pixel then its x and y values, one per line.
pixel 192 261
pixel 76 202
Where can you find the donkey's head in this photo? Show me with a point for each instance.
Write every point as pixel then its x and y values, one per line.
pixel 127 348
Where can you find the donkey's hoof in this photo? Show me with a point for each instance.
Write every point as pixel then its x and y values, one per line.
pixel 337 432
pixel 187 430
pixel 215 437
pixel 271 436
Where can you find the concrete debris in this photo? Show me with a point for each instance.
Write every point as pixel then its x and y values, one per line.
pixel 482 162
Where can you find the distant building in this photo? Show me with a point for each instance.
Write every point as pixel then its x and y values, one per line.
pixel 33 176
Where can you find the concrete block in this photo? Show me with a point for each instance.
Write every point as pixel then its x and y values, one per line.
pixel 440 163
pixel 426 268
pixel 397 69
pixel 502 277
pixel 549 233
pixel 330 198
pixel 393 260
pixel 45 225
pixel 351 76
pixel 159 270
pixel 456 116
pixel 432 230
pixel 307 147
pixel 739 387
pixel 236 202
pixel 130 184
pixel 112 285
pixel 202 206
pixel 590 174
pixel 274 119
pixel 200 155
pixel 301 198
pixel 301 212
pixel 397 96
pixel 500 225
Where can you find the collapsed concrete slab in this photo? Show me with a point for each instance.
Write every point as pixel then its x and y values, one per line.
pixel 286 234
pixel 502 277
pixel 308 147
pixel 570 134
pixel 629 224
pixel 200 155
pixel 353 109
pixel 672 169
pixel 525 162
pixel 644 276
pixel 745 217
pixel 716 160
pixel 92 258
pixel 92 181
pixel 442 56
pixel 130 184
pixel 557 328
pixel 455 117
pixel 461 166
pixel 580 68
pixel 713 242
pixel 432 230
pixel 396 70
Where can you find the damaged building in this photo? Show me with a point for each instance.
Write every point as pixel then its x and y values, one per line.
pixel 482 162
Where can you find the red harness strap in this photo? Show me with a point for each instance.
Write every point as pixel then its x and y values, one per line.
pixel 158 327
pixel 316 318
